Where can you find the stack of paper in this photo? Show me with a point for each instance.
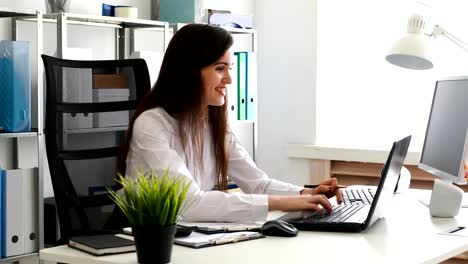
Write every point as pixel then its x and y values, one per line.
pixel 199 240
pixel 221 227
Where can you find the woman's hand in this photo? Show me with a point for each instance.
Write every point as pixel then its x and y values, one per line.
pixel 299 203
pixel 328 187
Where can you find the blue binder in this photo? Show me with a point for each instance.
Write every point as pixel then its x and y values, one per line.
pixel 15 86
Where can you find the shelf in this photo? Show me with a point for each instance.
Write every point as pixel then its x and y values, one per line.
pixel 119 22
pixel 19 257
pixel 18 135
pixel 95 130
pixel 345 154
pixel 11 12
pixel 234 30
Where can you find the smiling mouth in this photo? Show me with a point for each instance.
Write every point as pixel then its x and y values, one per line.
pixel 221 90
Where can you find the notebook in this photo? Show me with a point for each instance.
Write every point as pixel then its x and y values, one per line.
pixel 357 217
pixel 103 244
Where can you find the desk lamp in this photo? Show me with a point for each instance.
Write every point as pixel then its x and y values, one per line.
pixel 413 51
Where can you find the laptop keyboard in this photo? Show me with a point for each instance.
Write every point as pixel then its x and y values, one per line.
pixel 340 213
pixel 358 196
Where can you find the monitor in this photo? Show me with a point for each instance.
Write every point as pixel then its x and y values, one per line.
pixel 445 141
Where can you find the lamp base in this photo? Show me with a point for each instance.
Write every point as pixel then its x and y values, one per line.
pixel 446 199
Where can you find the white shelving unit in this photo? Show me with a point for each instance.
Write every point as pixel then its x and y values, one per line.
pixel 125 41
pixel 124 44
pixel 38 135
pixel 120 24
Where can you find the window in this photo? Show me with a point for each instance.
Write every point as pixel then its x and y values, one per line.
pixel 362 100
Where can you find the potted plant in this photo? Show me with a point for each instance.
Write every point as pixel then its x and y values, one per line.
pixel 152 205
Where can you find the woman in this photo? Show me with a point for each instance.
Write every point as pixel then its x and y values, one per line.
pixel 182 124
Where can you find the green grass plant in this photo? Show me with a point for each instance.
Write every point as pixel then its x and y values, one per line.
pixel 151 199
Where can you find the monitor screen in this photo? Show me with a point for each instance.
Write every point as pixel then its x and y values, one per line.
pixel 444 144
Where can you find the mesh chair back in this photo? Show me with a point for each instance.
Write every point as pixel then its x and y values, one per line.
pixel 88 107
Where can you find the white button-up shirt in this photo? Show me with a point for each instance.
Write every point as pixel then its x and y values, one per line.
pixel 156 145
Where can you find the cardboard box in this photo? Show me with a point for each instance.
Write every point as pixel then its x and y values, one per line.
pixel 110 81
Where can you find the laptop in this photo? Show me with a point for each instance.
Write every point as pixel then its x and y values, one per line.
pixel 357 217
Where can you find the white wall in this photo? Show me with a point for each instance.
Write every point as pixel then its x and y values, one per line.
pixel 286 78
pixel 364 102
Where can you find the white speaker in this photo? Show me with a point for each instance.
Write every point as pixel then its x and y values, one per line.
pixel 404 180
pixel 446 199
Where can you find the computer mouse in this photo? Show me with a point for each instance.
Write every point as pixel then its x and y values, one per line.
pixel 279 228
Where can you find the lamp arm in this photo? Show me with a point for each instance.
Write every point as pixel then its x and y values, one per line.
pixel 438 31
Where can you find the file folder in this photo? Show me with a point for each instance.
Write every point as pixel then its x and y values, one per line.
pixel 241 84
pixel 251 87
pixel 30 210
pixel 232 99
pixel 12 214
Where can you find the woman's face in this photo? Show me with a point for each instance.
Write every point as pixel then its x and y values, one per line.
pixel 215 79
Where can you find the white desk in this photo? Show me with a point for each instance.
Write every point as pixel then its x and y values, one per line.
pixel 407 235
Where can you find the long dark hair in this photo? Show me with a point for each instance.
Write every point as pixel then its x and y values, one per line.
pixel 179 92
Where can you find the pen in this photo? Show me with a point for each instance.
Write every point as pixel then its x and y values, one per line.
pixel 235 239
pixel 317 185
pixel 457 229
pixel 222 241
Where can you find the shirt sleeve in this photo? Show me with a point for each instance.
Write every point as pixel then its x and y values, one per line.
pixel 250 179
pixel 151 149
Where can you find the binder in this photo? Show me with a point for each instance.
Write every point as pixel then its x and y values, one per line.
pixel 12 214
pixel 2 205
pixel 241 85
pixel 251 87
pixel 15 86
pixel 232 99
pixel 30 210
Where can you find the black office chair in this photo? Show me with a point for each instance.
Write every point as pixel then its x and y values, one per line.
pixel 83 133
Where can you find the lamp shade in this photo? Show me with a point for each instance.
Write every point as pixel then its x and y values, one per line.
pixel 413 51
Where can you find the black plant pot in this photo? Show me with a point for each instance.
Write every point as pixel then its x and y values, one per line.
pixel 154 243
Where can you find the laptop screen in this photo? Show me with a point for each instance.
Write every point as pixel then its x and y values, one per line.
pixel 388 179
pixel 357 217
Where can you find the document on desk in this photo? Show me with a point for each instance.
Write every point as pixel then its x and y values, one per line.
pixel 221 227
pixel 200 240
pixel 456 231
